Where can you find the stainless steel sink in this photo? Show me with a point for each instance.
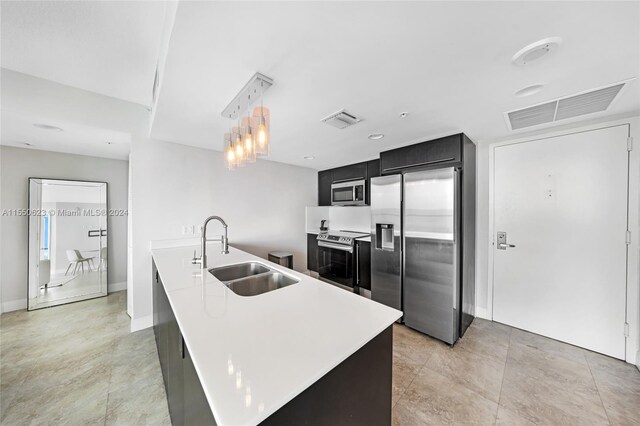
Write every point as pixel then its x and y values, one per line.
pixel 258 284
pixel 251 278
pixel 241 270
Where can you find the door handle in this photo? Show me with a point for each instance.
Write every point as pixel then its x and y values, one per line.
pixel 504 246
pixel 502 241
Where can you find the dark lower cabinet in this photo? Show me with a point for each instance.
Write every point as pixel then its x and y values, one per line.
pixel 175 398
pixel 364 264
pixel 312 252
pixel 196 406
pixel 187 402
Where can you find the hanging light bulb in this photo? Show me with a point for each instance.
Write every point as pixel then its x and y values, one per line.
pixel 238 147
pixel 262 136
pixel 229 153
pixel 249 145
pixel 262 141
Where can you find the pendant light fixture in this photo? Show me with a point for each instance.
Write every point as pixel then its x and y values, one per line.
pixel 251 138
pixel 238 146
pixel 229 152
pixel 262 137
pixel 249 145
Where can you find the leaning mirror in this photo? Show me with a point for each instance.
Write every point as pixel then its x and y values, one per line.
pixel 67 241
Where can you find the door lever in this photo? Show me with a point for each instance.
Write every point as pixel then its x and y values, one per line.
pixel 502 241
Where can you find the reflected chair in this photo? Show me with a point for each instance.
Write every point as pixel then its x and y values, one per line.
pixel 75 258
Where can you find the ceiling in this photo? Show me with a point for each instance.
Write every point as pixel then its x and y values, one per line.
pixel 446 63
pixel 92 124
pixel 110 48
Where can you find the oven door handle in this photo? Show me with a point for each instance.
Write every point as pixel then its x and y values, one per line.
pixel 335 246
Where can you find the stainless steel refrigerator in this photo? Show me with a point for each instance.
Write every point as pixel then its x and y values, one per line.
pixel 418 263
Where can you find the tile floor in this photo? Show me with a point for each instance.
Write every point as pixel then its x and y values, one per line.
pixel 78 364
pixel 501 375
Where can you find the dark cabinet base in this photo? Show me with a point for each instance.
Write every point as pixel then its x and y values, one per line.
pixel 187 402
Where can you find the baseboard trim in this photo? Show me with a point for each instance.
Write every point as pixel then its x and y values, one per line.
pixel 138 324
pixel 482 313
pixel 14 305
pixel 113 287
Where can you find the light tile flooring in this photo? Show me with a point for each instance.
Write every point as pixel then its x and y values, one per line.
pixel 501 375
pixel 78 364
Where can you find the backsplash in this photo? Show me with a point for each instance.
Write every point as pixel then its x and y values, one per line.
pixel 357 219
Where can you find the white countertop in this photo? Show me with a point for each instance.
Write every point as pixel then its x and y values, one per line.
pixel 255 354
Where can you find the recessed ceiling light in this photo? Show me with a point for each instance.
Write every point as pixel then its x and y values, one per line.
pixel 375 136
pixel 309 157
pixel 404 114
pixel 529 90
pixel 47 127
pixel 536 51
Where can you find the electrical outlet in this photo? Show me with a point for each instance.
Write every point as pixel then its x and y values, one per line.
pixel 190 230
pixel 184 230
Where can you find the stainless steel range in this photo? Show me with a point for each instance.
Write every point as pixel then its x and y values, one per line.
pixel 338 258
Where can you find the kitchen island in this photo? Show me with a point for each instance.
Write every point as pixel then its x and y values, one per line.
pixel 307 353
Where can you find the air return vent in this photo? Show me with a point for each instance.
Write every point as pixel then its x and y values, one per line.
pixel 532 116
pixel 341 119
pixel 584 103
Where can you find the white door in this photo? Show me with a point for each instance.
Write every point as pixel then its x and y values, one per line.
pixel 562 202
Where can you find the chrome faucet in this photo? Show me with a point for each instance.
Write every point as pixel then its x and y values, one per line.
pixel 202 260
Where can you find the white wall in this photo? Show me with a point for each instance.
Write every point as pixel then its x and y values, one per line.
pixel 484 228
pixel 16 166
pixel 174 185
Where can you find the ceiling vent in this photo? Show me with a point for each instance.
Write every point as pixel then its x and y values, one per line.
pixel 341 119
pixel 584 103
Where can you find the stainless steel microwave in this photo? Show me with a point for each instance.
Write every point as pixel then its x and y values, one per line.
pixel 348 193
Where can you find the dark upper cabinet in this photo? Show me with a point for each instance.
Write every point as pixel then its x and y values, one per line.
pixel 447 150
pixel 312 252
pixel 365 170
pixel 364 264
pixel 324 187
pixel 373 170
pixel 351 172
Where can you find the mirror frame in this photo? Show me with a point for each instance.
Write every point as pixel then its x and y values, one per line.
pixel 29 230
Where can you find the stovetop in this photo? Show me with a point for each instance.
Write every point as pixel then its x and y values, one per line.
pixel 341 237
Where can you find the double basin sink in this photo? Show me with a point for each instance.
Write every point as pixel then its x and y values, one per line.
pixel 251 278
